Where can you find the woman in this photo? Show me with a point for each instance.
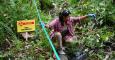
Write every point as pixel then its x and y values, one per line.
pixel 62 27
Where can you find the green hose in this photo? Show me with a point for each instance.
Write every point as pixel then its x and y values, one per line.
pixel 46 33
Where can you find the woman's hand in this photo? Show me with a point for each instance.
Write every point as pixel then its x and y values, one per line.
pixel 45 25
pixel 93 18
pixel 91 15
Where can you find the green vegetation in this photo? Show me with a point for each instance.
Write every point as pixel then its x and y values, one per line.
pixel 89 35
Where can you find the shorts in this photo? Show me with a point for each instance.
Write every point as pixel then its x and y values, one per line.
pixel 64 34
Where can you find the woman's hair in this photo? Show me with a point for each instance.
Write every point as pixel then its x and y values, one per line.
pixel 63 13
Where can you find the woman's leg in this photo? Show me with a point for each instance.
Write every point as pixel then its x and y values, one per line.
pixel 70 39
pixel 58 37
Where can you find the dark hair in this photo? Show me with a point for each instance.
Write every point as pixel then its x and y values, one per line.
pixel 63 13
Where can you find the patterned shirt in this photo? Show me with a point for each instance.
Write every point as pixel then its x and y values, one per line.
pixel 56 26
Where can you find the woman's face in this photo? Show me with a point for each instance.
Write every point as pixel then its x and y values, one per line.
pixel 65 18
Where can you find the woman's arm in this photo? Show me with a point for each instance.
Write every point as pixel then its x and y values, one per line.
pixel 83 17
pixel 79 18
pixel 51 24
